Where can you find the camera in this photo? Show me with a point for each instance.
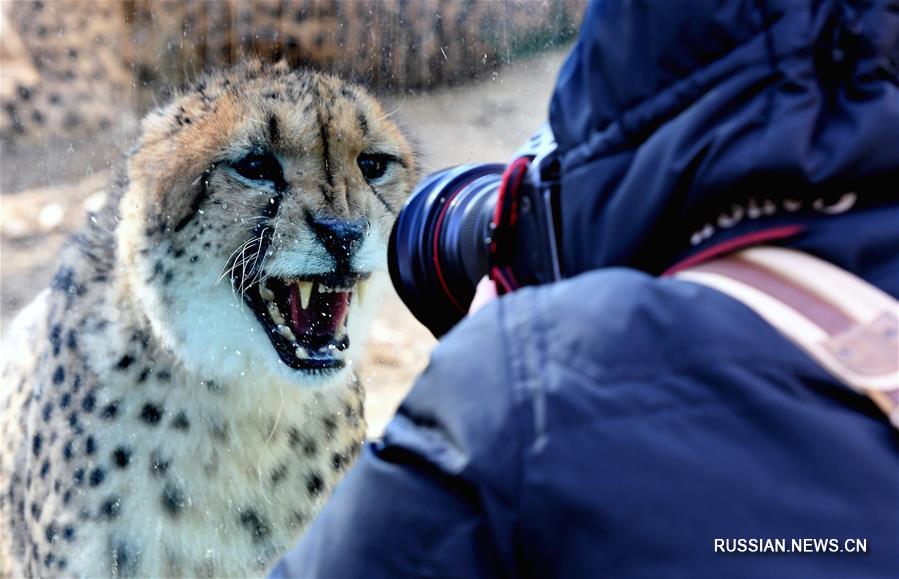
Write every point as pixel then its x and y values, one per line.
pixel 466 222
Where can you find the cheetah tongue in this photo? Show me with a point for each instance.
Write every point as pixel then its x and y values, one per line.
pixel 324 314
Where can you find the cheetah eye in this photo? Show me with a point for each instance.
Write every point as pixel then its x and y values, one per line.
pixel 259 166
pixel 374 165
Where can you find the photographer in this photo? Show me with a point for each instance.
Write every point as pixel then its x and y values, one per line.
pixel 623 422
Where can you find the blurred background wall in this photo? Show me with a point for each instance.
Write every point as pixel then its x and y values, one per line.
pixel 71 66
pixel 469 80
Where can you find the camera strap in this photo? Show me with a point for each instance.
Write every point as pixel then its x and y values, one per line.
pixel 505 220
pixel 845 324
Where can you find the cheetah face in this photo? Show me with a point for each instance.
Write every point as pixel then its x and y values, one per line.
pixel 276 213
pixel 303 299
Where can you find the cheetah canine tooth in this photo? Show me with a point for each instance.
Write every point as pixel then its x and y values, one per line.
pixel 361 289
pixel 305 288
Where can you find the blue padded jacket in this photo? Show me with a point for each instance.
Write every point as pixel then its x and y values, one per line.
pixel 618 423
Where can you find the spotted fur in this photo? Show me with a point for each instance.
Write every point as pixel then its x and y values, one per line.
pixel 148 426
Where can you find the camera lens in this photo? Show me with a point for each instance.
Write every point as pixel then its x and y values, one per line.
pixel 438 247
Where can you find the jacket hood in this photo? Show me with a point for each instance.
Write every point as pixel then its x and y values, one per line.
pixel 680 124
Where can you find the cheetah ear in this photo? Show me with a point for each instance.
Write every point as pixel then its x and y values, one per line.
pixel 176 209
pixel 174 160
pixel 170 197
pixel 185 212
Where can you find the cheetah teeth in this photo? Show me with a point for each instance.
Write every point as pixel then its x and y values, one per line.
pixel 325 289
pixel 286 332
pixel 305 289
pixel 361 290
pixel 275 313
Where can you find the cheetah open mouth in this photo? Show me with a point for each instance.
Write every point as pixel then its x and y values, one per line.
pixel 306 319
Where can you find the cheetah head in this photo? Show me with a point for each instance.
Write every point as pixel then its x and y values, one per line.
pixel 256 220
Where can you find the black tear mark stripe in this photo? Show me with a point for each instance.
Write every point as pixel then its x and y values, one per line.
pixel 383 201
pixel 273 204
pixel 197 201
pixel 262 231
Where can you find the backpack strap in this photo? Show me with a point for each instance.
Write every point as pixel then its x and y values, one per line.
pixel 844 323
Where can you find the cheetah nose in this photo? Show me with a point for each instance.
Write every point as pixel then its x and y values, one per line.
pixel 339 236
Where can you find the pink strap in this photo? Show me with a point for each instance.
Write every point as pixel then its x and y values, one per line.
pixel 847 325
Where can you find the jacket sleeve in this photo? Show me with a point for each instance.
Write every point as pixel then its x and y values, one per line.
pixel 436 497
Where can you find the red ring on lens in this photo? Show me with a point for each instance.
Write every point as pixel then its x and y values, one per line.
pixel 437 227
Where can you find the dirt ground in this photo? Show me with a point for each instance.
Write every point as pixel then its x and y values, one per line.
pixel 483 122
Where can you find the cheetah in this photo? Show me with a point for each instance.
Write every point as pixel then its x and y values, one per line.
pixel 181 400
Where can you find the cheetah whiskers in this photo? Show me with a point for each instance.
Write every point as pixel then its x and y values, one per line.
pixel 231 262
pixel 240 258
pixel 393 112
pixel 256 265
pixel 260 274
